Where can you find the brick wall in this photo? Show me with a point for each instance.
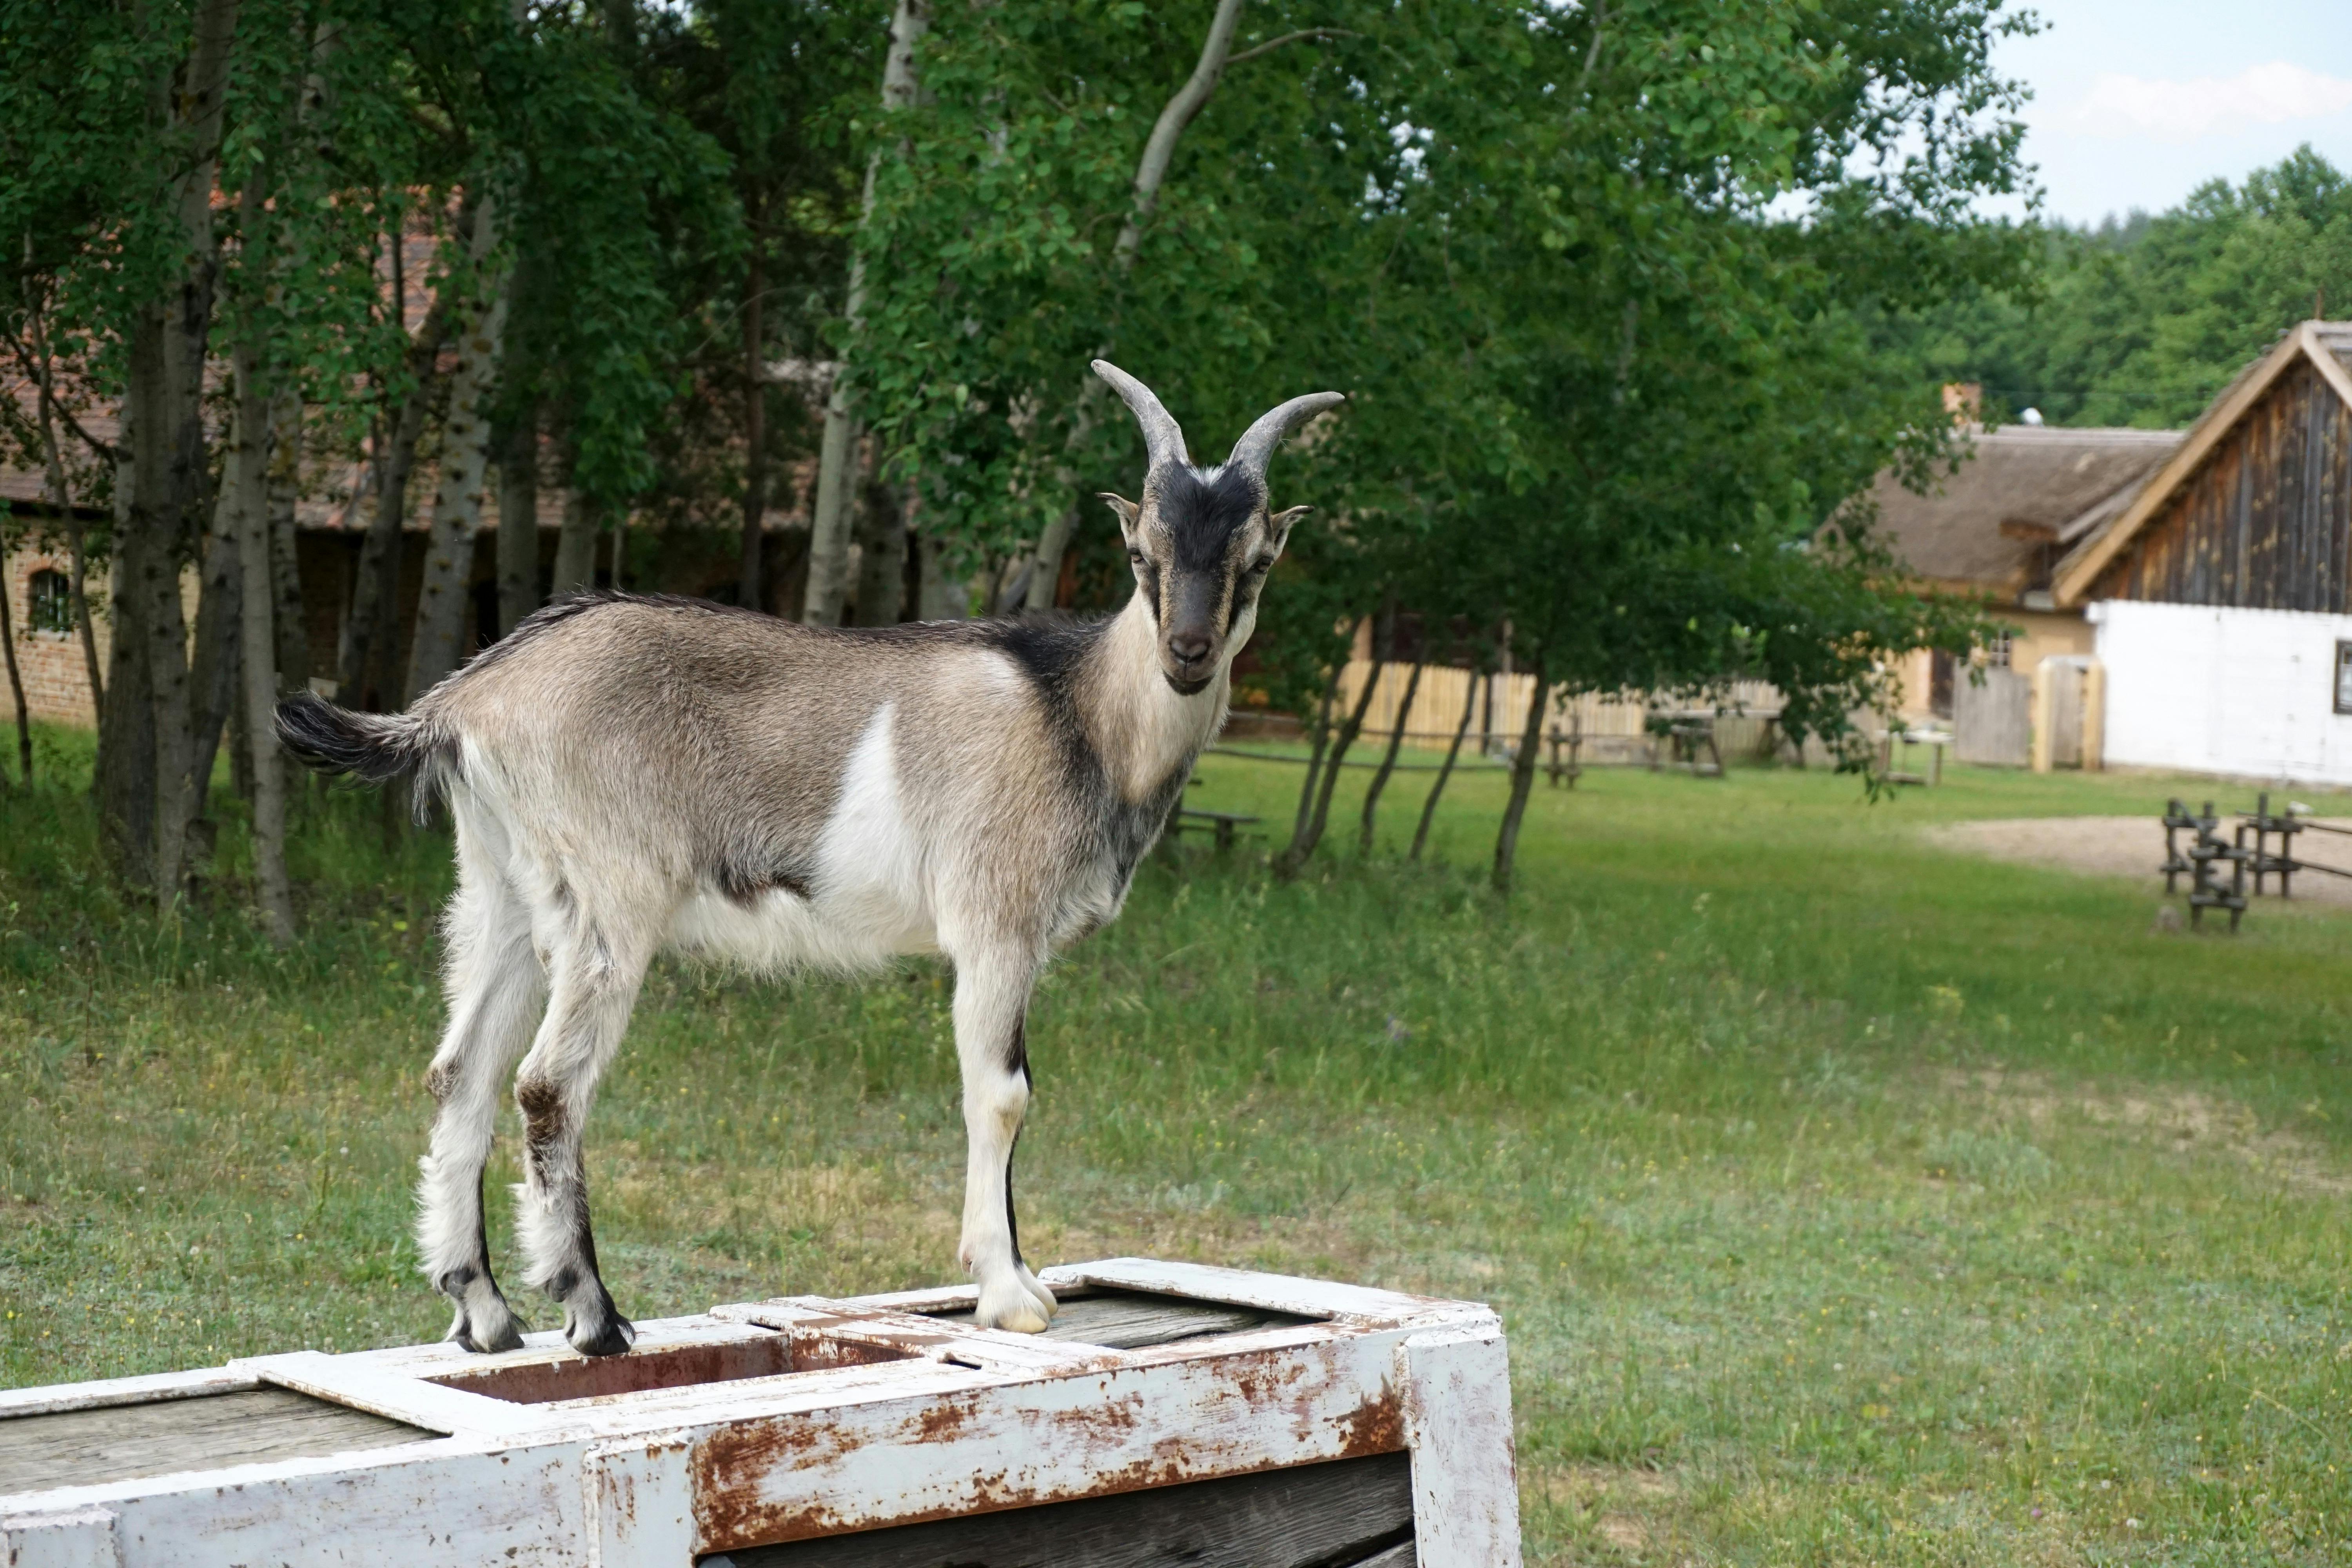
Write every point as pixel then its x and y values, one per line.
pixel 57 685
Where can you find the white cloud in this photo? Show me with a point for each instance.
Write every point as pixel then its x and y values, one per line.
pixel 2272 94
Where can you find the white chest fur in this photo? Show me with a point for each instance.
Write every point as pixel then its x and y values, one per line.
pixel 868 901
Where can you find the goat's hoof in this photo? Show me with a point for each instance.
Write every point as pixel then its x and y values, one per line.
pixel 1039 1293
pixel 600 1333
pixel 1009 1306
pixel 485 1327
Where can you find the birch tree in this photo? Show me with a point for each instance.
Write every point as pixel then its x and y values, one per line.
pixel 480 333
pixel 828 571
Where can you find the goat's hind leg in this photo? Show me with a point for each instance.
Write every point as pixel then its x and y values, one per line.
pixel 595 984
pixel 495 988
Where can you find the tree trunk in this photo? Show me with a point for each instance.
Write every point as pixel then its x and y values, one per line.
pixel 213 672
pixel 375 587
pixel 937 598
pixel 828 568
pixel 1523 776
pixel 1429 807
pixel 1349 728
pixel 1303 842
pixel 518 546
pixel 1318 741
pixel 148 816
pixel 881 553
pixel 575 545
pixel 446 588
pixel 53 478
pixel 251 467
pixel 755 425
pixel 1151 174
pixel 1388 758
pixel 124 783
pixel 290 625
pixel 15 681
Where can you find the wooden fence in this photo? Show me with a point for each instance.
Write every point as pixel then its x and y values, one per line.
pixel 1614 728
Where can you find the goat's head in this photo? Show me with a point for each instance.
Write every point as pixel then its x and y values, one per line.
pixel 1201 540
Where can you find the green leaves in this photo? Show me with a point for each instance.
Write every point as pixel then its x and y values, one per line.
pixel 2143 322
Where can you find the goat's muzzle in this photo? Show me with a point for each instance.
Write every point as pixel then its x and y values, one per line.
pixel 1190 661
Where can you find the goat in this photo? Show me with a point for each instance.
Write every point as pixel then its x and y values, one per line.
pixel 629 774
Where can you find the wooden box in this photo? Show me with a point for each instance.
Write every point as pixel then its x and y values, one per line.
pixel 1174 1414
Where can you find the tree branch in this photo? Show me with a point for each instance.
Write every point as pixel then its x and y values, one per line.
pixel 1270 45
pixel 37 372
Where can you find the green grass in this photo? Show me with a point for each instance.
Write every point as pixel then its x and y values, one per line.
pixel 1847 1200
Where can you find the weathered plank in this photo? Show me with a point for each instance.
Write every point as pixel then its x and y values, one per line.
pixel 1130 1319
pixel 114 1443
pixel 2264 520
pixel 1309 1517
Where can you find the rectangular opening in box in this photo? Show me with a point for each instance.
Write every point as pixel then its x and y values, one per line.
pixel 765 1353
pixel 1131 1319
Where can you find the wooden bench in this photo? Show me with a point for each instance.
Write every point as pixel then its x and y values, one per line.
pixel 1173 1412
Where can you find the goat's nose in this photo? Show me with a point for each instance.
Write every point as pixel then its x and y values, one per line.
pixel 1190 647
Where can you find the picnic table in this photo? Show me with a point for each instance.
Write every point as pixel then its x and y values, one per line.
pixel 1684 734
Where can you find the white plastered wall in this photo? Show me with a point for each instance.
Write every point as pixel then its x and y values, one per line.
pixel 2204 688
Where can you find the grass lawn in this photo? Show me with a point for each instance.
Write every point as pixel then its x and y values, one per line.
pixel 1847 1200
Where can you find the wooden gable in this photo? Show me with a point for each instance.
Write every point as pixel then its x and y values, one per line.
pixel 2254 511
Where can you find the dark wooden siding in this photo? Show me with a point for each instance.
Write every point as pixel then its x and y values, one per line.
pixel 2266 520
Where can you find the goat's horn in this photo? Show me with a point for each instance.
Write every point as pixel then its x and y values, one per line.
pixel 1163 438
pixel 1258 442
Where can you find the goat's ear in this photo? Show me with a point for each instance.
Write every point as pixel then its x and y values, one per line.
pixel 1278 527
pixel 1128 511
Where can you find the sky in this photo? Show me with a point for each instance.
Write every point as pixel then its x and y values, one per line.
pixel 2137 102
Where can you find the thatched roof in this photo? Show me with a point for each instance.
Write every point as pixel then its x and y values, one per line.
pixel 2021 495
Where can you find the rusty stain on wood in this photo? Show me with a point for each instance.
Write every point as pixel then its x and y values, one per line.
pixel 569 1375
pixel 1350 1511
pixel 802 1417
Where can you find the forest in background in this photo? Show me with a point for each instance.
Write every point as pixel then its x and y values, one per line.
pixel 1601 280
pixel 2142 320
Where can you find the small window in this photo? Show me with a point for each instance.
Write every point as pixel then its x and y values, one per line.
pixel 2344 677
pixel 1997 650
pixel 52 596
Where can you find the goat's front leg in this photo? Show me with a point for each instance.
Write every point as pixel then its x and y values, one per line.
pixel 992 1004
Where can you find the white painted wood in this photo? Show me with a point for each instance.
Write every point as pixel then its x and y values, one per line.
pixel 409 1399
pixel 122 1391
pixel 891 1417
pixel 2240 693
pixel 1018 1444
pixel 77 1538
pixel 1280 1292
pixel 639 1498
pixel 1457 1420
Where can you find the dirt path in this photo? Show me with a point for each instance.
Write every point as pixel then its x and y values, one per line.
pixel 2131 847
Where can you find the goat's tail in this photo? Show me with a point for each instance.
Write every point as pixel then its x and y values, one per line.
pixel 374 747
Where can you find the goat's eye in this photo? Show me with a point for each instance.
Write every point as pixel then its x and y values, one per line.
pixel 1135 559
pixel 1260 568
